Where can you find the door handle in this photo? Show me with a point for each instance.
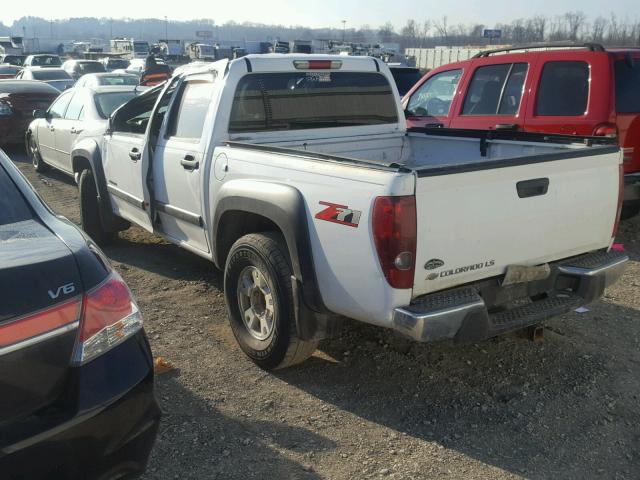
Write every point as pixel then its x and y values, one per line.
pixel 52 128
pixel 434 125
pixel 75 130
pixel 189 162
pixel 506 126
pixel 135 155
pixel 532 188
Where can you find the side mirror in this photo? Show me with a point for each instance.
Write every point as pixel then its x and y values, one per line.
pixel 39 113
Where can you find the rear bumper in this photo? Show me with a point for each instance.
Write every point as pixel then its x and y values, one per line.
pixel 632 188
pixel 111 438
pixel 461 314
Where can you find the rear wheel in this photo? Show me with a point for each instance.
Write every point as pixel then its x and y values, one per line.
pixel 90 210
pixel 259 296
pixel 36 160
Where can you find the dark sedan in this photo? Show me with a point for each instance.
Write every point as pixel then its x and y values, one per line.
pixel 18 100
pixel 76 371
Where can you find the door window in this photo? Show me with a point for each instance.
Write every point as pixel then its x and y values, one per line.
pixel 435 95
pixel 58 107
pixel 75 107
pixel 563 89
pixel 495 90
pixel 188 116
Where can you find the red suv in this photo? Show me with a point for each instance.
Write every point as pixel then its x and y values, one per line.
pixel 559 88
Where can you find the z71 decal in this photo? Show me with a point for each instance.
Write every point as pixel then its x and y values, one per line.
pixel 339 214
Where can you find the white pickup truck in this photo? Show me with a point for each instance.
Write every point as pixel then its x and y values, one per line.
pixel 295 175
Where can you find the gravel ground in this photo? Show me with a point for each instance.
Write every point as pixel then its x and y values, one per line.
pixel 371 405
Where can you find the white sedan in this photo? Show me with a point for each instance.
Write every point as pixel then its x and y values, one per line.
pixel 77 113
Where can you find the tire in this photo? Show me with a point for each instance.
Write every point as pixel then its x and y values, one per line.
pixel 629 211
pixel 36 160
pixel 90 210
pixel 257 280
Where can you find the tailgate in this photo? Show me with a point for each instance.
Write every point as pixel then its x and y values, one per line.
pixel 473 221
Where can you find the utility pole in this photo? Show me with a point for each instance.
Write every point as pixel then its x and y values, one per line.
pixel 166 35
pixel 344 29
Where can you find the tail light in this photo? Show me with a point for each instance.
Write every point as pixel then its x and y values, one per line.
pixel 606 130
pixel 394 233
pixel 620 199
pixel 39 326
pixel 109 316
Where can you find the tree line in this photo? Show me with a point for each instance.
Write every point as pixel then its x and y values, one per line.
pixel 572 26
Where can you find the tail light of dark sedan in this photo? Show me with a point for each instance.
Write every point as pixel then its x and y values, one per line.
pixel 110 315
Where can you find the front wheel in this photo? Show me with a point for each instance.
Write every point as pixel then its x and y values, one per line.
pixel 259 297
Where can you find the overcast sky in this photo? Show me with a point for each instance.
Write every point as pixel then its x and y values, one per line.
pixel 318 13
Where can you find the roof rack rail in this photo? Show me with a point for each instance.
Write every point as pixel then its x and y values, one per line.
pixel 594 47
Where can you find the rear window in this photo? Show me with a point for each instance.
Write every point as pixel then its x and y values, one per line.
pixel 26 86
pixel 106 103
pixel 90 67
pixel 45 74
pixel 46 60
pixel 563 89
pixel 116 63
pixel 627 86
pixel 13 207
pixel 118 80
pixel 304 100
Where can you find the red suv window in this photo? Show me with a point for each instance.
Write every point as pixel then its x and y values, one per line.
pixel 627 86
pixel 495 90
pixel 564 89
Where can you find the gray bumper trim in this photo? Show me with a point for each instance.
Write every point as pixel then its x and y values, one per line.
pixel 461 314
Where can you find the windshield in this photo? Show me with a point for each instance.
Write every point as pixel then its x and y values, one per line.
pixel 50 75
pixel 106 103
pixel 14 59
pixel 627 86
pixel 318 99
pixel 90 67
pixel 46 60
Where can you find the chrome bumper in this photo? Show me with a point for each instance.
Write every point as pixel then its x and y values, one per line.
pixel 462 314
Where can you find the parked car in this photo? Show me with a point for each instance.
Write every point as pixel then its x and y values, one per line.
pixel 78 113
pixel 9 71
pixel 11 59
pixel 321 209
pixel 405 77
pixel 582 90
pixel 107 79
pixel 75 365
pixel 42 60
pixel 78 68
pixel 56 77
pixel 114 63
pixel 18 100
pixel 150 75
